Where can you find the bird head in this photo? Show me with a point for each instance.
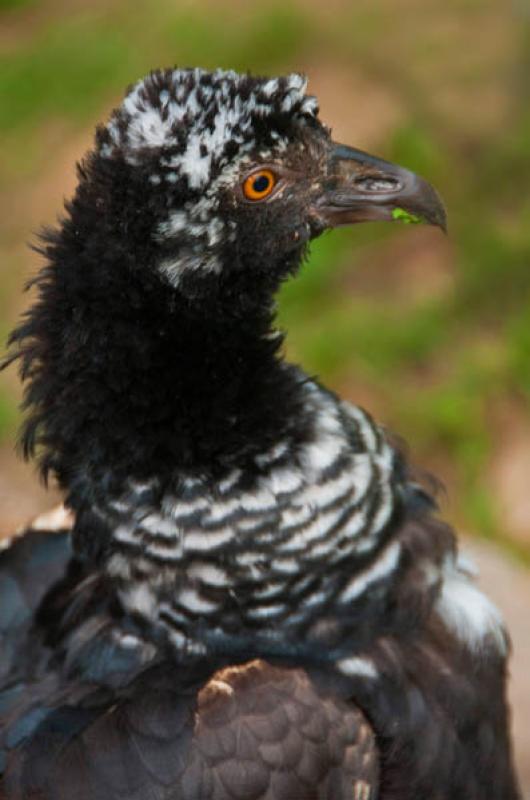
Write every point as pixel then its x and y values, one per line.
pixel 220 180
pixel 155 306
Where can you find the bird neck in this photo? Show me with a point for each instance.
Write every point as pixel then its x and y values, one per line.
pixel 128 380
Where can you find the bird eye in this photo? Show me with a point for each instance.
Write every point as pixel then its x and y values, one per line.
pixel 259 185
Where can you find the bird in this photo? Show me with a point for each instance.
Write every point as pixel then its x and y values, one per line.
pixel 249 593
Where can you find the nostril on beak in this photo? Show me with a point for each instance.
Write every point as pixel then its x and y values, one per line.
pixel 377 183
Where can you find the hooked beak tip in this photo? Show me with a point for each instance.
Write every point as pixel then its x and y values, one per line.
pixel 361 188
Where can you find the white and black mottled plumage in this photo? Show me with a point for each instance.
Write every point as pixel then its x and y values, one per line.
pixel 253 599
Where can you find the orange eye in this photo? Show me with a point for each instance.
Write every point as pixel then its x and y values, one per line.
pixel 259 185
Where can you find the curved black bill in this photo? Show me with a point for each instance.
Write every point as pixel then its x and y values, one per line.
pixel 360 188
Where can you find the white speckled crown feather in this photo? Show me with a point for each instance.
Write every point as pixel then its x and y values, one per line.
pixel 204 118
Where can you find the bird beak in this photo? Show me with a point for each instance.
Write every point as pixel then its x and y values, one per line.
pixel 361 188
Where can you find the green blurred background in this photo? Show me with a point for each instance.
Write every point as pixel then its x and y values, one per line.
pixel 431 334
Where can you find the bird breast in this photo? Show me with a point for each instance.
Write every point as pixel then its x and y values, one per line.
pixel 274 551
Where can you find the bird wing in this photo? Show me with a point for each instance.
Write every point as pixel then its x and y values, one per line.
pixel 120 722
pixel 249 732
pixel 30 563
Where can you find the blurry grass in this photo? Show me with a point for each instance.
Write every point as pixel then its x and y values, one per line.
pixel 376 337
pixel 64 73
pixel 8 417
pixel 439 365
pixel 9 5
pixel 518 337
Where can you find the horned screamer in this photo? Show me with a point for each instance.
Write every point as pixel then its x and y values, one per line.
pixel 251 598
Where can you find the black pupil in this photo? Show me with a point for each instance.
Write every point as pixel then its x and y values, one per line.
pixel 261 184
